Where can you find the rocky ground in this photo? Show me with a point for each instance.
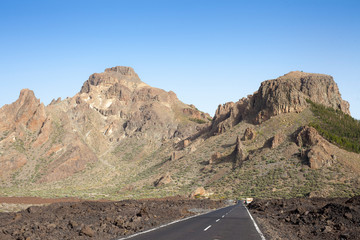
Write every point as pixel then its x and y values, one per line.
pixel 97 220
pixel 308 218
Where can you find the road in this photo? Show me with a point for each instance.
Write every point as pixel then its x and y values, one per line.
pixel 228 223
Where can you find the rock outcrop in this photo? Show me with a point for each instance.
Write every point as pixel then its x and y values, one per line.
pixel 200 192
pixel 26 113
pixel 249 134
pixel 163 180
pixel 17 120
pixel 282 95
pixel 277 140
pixel 239 153
pixel 317 149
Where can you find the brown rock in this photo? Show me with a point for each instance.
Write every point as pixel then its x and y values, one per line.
pixel 277 140
pixel 249 134
pixel 200 192
pixel 186 143
pixel 163 180
pixel 216 156
pixel 86 230
pixel 318 152
pixel 239 153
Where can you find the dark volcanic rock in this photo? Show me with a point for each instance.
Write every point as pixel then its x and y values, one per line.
pixel 98 220
pixel 308 218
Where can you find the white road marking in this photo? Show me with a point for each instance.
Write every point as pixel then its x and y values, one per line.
pixel 223 216
pixel 217 220
pixel 207 228
pixel 165 225
pixel 256 226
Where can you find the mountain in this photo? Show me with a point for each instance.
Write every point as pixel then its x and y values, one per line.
pixel 285 94
pixel 120 138
pixel 114 108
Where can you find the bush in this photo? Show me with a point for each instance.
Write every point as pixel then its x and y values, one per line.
pixel 197 120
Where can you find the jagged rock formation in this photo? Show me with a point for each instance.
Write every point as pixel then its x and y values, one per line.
pixel 249 134
pixel 51 143
pixel 239 153
pixel 134 107
pixel 317 149
pixel 282 95
pixel 277 140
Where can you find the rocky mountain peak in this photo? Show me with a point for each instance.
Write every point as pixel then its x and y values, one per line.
pixel 26 111
pixel 288 93
pixel 113 77
pixel 122 70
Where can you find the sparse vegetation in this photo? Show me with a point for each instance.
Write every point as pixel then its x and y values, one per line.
pixel 197 120
pixel 337 127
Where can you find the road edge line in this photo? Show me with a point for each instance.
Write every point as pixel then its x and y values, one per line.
pixel 167 224
pixel 256 226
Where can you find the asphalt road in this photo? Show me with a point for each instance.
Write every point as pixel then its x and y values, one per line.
pixel 228 223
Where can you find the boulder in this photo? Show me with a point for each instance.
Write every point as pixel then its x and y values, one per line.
pixel 216 156
pixel 163 180
pixel 200 192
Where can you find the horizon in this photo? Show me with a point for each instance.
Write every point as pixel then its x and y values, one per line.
pixel 207 52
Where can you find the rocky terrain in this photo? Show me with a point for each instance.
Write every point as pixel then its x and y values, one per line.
pixel 119 138
pixel 97 220
pixel 285 94
pixel 308 218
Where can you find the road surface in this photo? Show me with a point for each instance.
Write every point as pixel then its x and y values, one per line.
pixel 228 223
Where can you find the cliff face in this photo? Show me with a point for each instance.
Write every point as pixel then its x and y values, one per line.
pixel 285 94
pixel 54 142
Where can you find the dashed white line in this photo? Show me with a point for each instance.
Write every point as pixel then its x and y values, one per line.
pixel 217 220
pixel 223 216
pixel 165 225
pixel 207 228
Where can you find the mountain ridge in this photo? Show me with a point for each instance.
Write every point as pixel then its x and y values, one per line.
pixel 119 138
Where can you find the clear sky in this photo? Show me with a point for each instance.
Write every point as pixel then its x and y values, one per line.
pixel 208 52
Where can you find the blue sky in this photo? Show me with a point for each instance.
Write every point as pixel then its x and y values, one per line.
pixel 207 52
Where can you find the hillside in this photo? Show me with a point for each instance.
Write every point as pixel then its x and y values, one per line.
pixel 119 138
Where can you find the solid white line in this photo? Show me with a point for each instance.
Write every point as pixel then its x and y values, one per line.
pixel 217 220
pixel 207 228
pixel 165 225
pixel 256 226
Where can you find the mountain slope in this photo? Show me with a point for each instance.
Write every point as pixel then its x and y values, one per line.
pixel 113 109
pixel 119 138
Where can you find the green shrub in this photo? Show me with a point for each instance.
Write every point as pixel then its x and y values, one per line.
pixel 197 120
pixel 336 127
